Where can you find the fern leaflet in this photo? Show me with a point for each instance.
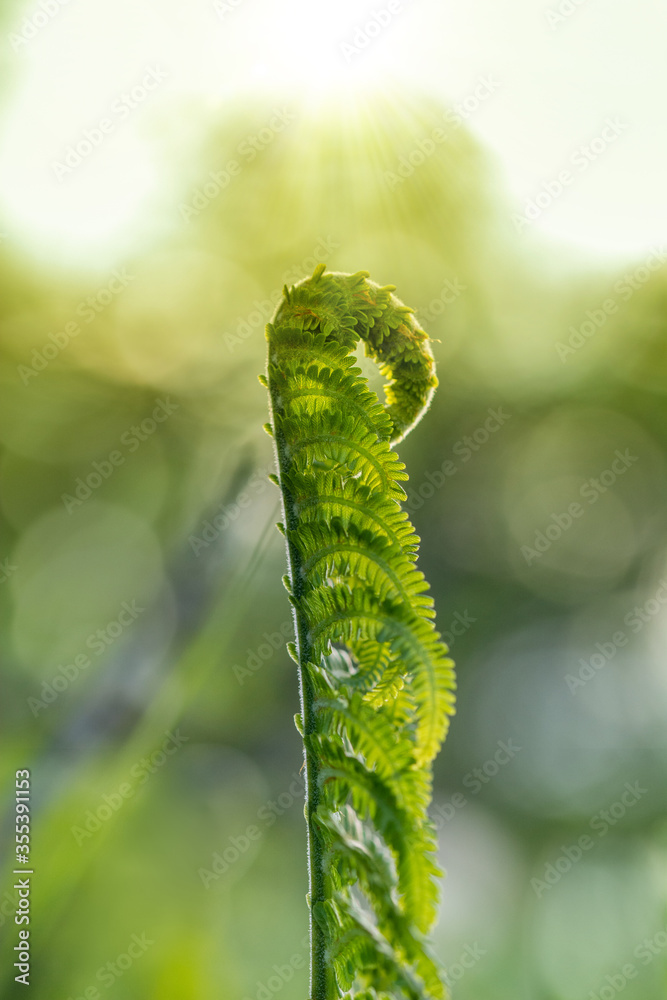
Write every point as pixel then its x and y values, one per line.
pixel 376 685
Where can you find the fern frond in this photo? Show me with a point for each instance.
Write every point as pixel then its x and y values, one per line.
pixel 347 778
pixel 377 686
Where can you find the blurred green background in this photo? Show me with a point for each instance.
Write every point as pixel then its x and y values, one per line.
pixel 145 681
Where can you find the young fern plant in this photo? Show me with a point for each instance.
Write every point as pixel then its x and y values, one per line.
pixel 376 684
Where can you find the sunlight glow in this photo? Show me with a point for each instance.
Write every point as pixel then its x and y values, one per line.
pixel 71 187
pixel 69 73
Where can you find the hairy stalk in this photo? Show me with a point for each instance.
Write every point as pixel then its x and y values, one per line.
pixel 376 684
pixel 318 969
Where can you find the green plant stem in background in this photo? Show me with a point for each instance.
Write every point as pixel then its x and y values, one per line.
pixel 375 680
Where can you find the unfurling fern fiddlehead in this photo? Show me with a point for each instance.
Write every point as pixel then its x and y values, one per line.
pixel 375 681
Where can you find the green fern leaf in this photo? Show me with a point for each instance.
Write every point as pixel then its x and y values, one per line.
pixel 377 686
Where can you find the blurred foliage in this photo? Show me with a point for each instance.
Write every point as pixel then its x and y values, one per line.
pixel 181 524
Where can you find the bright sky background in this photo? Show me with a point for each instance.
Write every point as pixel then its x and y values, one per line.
pixel 559 83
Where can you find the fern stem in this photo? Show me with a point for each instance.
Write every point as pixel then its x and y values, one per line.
pixel 316 886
